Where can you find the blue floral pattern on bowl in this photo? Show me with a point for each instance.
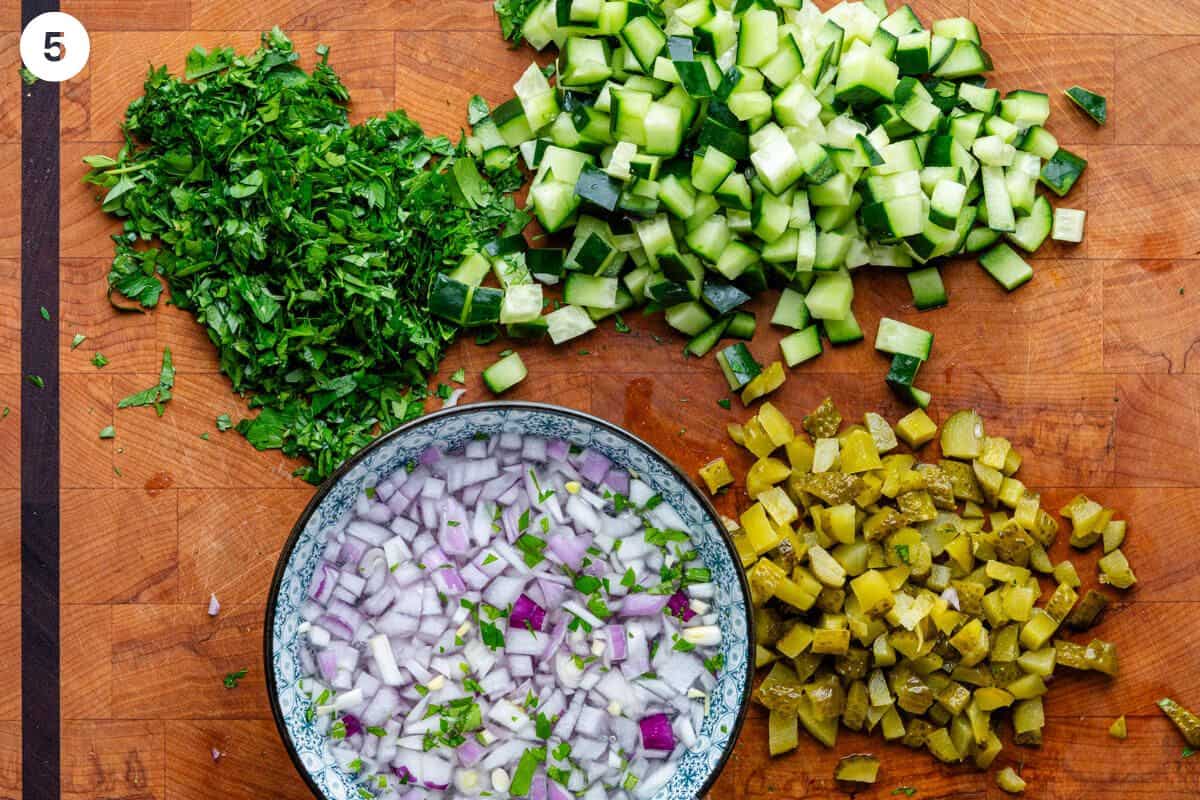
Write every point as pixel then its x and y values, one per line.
pixel 332 505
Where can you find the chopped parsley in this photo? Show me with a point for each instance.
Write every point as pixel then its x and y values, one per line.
pixel 907 791
pixel 459 376
pixel 99 360
pixel 231 680
pixel 621 325
pixel 902 552
pixel 45 313
pixel 375 730
pixel 543 725
pixel 724 403
pixel 108 432
pixel 36 380
pixel 224 423
pixel 663 537
pixel 683 645
pixel 338 730
pixel 532 548
pixel 491 635
pixel 586 584
pixel 77 340
pixel 714 663
pixel 158 395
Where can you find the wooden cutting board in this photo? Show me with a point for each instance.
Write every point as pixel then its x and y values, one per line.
pixel 1086 370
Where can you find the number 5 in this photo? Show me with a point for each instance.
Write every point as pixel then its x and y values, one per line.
pixel 54 43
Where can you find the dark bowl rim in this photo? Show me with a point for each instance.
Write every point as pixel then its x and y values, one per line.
pixel 322 491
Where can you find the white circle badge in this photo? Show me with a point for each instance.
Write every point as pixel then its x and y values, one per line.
pixel 55 46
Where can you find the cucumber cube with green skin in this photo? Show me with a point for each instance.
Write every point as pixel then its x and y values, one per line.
pixel 1068 225
pixel 778 164
pixel 449 299
pixel 484 308
pixel 946 203
pixel 545 262
pixel 927 288
pixel 568 322
pixel 1094 105
pixel 830 296
pixel 722 297
pixel 865 77
pixel 843 331
pixel 895 337
pixel 505 373
pixel 801 346
pixel 1062 171
pixel 903 371
pixel 599 188
pixel 522 303
pixel 912 53
pixel 738 365
pixel 1008 268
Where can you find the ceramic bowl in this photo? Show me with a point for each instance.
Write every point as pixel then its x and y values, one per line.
pixel 334 500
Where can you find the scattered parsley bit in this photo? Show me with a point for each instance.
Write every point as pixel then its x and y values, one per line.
pixel 543 726
pixel 421 689
pixel 204 436
pixel 453 523
pixel 512 15
pixel 355 765
pixel 902 552
pixel 683 645
pixel 586 584
pixel 5 412
pixel 1188 752
pixel 99 361
pixel 907 791
pixel 724 403
pixel 77 340
pixel 662 537
pixel 561 752
pixel 369 492
pixel 653 502
pixel 491 635
pixel 36 380
pixel 338 730
pixel 490 559
pixel 45 314
pixel 585 352
pixel 231 680
pixel 714 663
pixel 108 432
pixel 375 730
pixel 156 395
pixel 117 471
pixel 622 327
pixel 444 391
pixel 224 423
pixel 459 376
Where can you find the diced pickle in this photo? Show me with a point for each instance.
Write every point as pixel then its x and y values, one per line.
pixel 962 480
pixel 832 488
pixel 783 732
pixel 940 745
pixel 824 730
pixel 881 432
pixel 1119 729
pixel 756 440
pixel 1028 720
pixel 916 428
pixel 1115 570
pixel 854 715
pixel 990 480
pixel 827 696
pixel 824 421
pixel 765 473
pixel 1061 602
pixel 1087 612
pixel 858 452
pixel 962 435
pixel 1114 535
pixel 1101 656
pixel 995 451
pixel 857 768
pixel 954 698
pixel 777 427
pixel 835 642
pixel 1008 780
pixel 917 733
pixel 917 506
pixel 767 381
pixel 1187 722
pixel 716 475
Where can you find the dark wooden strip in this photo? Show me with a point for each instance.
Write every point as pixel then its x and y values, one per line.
pixel 39 434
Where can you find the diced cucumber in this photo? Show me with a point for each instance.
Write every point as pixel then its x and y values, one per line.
pixel 903 371
pixel 545 264
pixel 1032 230
pixel 957 28
pixel 707 339
pixel 1062 171
pixel 965 59
pixel 1094 105
pixel 738 365
pixel 830 296
pixel 928 291
pixel 896 218
pixel 449 299
pixel 710 167
pixel 1008 268
pixel 980 239
pixel 644 39
pixel 801 346
pixel 1039 141
pixel 791 311
pixel 1025 109
pixel 946 203
pixel 1068 225
pixel 567 323
pixel 522 303
pixel 471 270
pixel 590 291
pixel 758 38
pixel 843 331
pixel 865 77
pixel 688 318
pixel 894 337
pixel 999 206
pixel 722 297
pixel 505 373
pixel 741 326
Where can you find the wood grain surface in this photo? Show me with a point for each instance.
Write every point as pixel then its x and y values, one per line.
pixel 1090 370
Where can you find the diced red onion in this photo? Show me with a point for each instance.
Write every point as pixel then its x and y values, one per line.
pixel 214 606
pixel 642 605
pixel 527 613
pixel 657 733
pixel 678 603
pixel 557 450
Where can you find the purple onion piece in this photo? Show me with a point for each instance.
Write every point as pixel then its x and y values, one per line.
pixel 680 607
pixel 657 733
pixel 353 725
pixel 526 612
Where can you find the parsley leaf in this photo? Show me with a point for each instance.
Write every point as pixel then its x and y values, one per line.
pixel 724 403
pixel 907 791
pixel 155 395
pixel 902 552
pixel 99 361
pixel 231 680
pixel 77 340
pixel 512 14
pixel 621 325
pixel 459 376
pixel 224 423
pixel 108 432
pixel 543 726
pixel 36 380
pixel 491 635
